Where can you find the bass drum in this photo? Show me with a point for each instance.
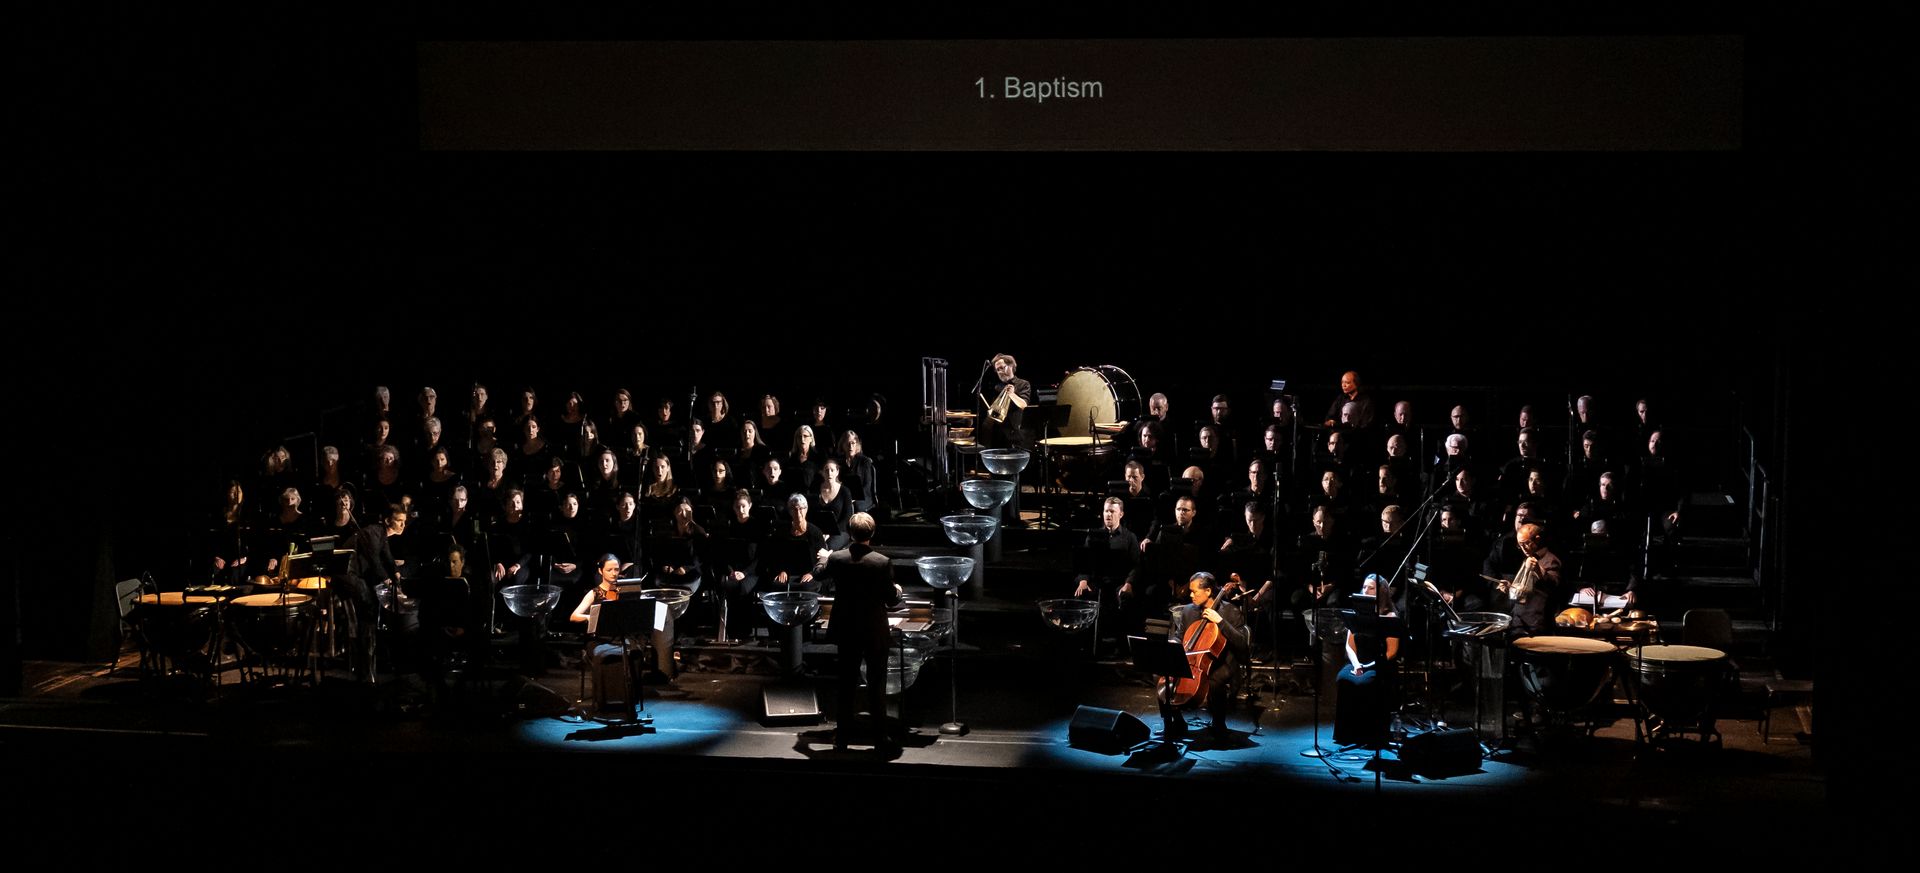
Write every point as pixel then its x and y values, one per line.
pixel 1105 391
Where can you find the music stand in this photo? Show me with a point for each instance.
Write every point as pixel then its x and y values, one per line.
pixel 1362 614
pixel 625 619
pixel 1159 656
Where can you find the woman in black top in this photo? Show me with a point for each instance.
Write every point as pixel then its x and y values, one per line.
pixel 339 521
pixel 331 477
pixel 530 461
pixel 663 493
pixel 833 505
pixel 795 555
pixel 772 426
pixel 734 559
pixel 862 474
pixel 437 486
pixel 675 559
pixel 227 534
pixel 623 416
pixel 753 450
pixel 773 488
pixel 634 454
pixel 717 494
pixel 1362 708
pixel 604 485
pixel 803 461
pixel 572 427
pixel 723 429
pixel 512 541
pixel 698 447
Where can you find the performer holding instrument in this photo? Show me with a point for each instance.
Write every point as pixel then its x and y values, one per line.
pixel 1006 407
pixel 1215 638
pixel 1534 593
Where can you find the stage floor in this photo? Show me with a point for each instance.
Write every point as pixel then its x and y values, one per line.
pixel 708 743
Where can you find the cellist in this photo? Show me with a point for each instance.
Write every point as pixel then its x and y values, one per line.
pixel 1207 619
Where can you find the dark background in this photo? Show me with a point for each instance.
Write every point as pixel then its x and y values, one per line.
pixel 231 230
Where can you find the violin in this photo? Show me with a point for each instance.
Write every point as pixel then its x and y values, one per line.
pixel 1204 642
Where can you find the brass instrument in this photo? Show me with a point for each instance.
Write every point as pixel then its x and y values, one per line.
pixel 997 410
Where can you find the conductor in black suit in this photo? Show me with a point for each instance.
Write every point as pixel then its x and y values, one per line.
pixel 863 593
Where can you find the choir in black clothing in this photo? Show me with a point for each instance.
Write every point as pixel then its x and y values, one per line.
pixel 735 504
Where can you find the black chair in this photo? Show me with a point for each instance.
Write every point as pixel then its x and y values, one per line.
pixel 126 596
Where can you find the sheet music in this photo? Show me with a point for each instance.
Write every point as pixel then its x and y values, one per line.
pixel 1606 602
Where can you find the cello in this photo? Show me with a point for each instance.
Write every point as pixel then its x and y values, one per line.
pixel 1203 643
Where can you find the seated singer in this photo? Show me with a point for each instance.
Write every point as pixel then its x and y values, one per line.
pixel 1006 407
pixel 1208 605
pixel 1361 710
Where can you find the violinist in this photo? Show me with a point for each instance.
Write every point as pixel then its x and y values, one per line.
pixel 1208 613
pixel 607 654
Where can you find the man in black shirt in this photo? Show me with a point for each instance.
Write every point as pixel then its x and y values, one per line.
pixel 1351 391
pixel 1109 555
pixel 372 565
pixel 1017 394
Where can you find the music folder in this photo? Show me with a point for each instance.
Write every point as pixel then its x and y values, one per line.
pixel 627 617
pixel 1159 656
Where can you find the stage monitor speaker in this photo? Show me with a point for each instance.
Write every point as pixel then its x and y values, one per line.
pixel 790 704
pixel 1441 753
pixel 1107 731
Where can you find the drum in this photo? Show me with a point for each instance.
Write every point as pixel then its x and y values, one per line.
pixel 1080 463
pixel 1106 391
pixel 1565 674
pixel 174 624
pixel 273 625
pixel 1677 683
pixel 310 583
pixel 177 598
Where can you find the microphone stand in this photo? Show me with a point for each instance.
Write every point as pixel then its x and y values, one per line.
pixel 1573 424
pixel 686 445
pixel 984 422
pixel 1293 442
pixel 1318 670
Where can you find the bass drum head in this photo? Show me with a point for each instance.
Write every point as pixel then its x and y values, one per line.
pixel 1098 394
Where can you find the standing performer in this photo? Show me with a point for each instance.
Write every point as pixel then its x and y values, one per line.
pixel 1006 407
pixel 865 591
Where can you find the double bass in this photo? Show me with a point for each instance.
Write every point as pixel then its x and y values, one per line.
pixel 1203 643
